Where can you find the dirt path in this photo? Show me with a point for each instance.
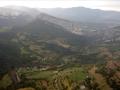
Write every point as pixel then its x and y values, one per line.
pixel 99 79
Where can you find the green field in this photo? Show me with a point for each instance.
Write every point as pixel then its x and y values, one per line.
pixel 75 74
pixel 40 74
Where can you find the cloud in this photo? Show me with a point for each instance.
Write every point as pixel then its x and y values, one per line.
pixel 95 4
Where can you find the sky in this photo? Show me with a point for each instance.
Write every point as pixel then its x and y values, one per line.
pixel 94 4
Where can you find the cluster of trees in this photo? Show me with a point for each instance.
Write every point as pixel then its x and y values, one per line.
pixel 111 72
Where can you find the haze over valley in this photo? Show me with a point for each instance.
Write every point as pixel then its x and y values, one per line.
pixel 73 48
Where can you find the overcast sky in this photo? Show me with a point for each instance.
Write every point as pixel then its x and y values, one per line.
pixel 95 4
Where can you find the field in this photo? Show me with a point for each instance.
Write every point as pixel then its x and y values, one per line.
pixel 78 74
pixel 74 73
pixel 39 74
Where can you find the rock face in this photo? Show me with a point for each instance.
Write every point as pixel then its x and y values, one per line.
pixel 14 76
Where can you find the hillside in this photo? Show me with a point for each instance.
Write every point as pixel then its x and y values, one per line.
pixel 43 52
pixel 47 40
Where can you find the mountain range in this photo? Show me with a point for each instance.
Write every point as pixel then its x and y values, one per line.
pixel 82 14
pixel 74 35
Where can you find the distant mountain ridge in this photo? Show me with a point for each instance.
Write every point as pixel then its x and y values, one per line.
pixel 10 17
pixel 13 16
pixel 81 14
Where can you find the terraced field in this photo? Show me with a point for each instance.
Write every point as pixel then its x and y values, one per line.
pixel 74 73
pixel 66 79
